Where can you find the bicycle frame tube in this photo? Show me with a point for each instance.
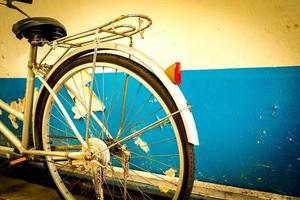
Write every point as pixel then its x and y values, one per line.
pixel 8 109
pixel 29 96
pixel 22 146
pixel 8 152
pixel 26 118
pixel 64 112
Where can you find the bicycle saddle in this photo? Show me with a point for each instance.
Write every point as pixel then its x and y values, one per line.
pixel 39 29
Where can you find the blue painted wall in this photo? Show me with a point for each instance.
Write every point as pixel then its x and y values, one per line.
pixel 11 89
pixel 248 122
pixel 249 127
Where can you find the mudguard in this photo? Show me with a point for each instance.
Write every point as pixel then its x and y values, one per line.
pixel 150 64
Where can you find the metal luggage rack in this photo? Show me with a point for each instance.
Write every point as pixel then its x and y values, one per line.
pixel 124 26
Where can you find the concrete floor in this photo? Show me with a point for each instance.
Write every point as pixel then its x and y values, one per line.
pixel 16 189
pixel 28 182
pixel 25 182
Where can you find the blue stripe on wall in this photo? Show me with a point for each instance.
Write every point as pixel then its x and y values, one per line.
pixel 248 122
pixel 249 126
pixel 11 89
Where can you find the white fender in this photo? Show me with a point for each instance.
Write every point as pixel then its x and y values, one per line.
pixel 151 65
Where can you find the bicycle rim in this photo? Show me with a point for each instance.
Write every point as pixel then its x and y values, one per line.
pixel 126 99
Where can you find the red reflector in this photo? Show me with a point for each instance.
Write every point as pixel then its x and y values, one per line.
pixel 177 73
pixel 174 73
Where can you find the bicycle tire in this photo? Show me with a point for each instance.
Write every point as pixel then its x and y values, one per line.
pixel 45 105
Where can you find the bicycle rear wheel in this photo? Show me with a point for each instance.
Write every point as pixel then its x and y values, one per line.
pixel 133 116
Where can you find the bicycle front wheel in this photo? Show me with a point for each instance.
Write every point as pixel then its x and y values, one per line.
pixel 134 125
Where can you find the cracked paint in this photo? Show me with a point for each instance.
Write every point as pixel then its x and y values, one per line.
pixel 144 146
pixel 79 91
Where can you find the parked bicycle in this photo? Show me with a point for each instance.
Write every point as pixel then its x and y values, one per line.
pixel 108 122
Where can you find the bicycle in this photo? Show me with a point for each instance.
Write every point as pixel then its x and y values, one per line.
pixel 108 122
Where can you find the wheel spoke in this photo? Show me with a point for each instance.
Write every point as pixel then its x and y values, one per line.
pixel 123 107
pixel 136 114
pixel 146 128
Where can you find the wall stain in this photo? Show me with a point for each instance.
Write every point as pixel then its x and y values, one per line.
pixel 289 27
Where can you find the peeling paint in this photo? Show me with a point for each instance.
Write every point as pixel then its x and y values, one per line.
pixel 154 100
pixel 274 110
pixel 263 165
pixel 171 173
pixel 263 132
pixel 19 106
pixel 78 90
pixel 144 146
pixel 163 189
pixel 259 179
pixel 13 121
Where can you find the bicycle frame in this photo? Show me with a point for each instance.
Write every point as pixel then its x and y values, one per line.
pixel 88 45
pixel 22 145
pixel 32 72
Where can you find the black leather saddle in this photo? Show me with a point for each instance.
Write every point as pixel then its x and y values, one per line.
pixel 39 29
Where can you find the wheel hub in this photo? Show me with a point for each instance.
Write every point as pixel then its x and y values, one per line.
pixel 99 151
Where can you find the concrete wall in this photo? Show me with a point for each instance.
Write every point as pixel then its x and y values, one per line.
pixel 199 33
pixel 248 119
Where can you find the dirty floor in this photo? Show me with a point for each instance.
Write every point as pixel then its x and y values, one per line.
pixel 16 189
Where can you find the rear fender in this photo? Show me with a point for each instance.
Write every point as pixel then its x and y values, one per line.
pixel 148 63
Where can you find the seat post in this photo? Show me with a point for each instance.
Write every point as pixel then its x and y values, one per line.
pixel 29 94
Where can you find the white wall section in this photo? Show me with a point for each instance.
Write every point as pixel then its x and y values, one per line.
pixel 201 34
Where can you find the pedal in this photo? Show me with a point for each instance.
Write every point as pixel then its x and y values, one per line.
pixel 17 161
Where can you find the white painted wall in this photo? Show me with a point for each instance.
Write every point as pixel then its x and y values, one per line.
pixel 199 33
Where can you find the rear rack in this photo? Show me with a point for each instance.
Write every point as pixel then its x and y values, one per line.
pixel 125 26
